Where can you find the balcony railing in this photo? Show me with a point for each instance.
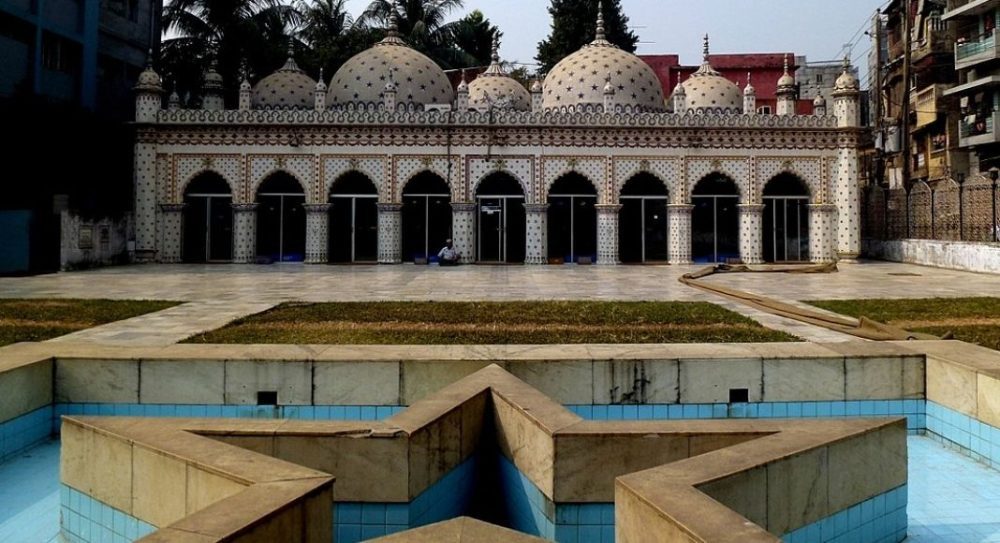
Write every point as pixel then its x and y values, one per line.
pixel 968 49
pixel 980 131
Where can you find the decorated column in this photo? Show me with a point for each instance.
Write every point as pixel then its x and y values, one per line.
pixel 463 230
pixel 245 233
pixel 679 224
pixel 390 233
pixel 823 233
pixel 173 237
pixel 751 226
pixel 607 234
pixel 317 233
pixel 537 234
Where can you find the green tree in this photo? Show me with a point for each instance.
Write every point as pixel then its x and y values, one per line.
pixel 227 32
pixel 424 26
pixel 574 24
pixel 329 35
pixel 474 35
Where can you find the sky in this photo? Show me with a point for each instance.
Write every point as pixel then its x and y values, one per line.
pixel 815 28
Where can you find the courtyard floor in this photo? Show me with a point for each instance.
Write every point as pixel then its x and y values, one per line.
pixel 284 282
pixel 219 294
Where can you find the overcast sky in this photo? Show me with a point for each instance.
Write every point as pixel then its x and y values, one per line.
pixel 816 28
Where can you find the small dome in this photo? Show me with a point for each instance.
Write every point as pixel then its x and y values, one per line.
pixel 749 90
pixel 708 90
pixel 213 80
pixel 579 79
pixel 536 87
pixel 495 88
pixel 786 84
pixel 819 101
pixel 418 80
pixel 149 80
pixel 287 88
pixel 846 82
pixel 320 85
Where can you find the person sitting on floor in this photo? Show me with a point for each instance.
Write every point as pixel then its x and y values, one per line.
pixel 448 255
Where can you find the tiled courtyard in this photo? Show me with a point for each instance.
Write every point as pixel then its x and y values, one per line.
pixel 277 283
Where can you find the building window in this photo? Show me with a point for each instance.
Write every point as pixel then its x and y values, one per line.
pixel 819 79
pixel 764 110
pixel 60 55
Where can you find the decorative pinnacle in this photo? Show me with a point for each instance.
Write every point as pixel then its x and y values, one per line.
pixel 600 21
pixel 393 30
pixel 149 58
pixel 786 64
pixel 748 79
pixel 847 63
pixel 705 49
pixel 496 48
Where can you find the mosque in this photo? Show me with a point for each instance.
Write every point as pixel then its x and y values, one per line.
pixel 594 164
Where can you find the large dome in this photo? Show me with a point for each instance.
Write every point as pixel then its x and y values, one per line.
pixel 580 78
pixel 495 88
pixel 708 90
pixel 287 88
pixel 363 78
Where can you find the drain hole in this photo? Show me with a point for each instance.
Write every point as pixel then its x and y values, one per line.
pixel 267 397
pixel 739 395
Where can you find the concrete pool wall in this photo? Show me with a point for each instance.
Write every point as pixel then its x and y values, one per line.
pixel 943 388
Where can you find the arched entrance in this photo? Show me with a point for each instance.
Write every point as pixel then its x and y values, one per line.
pixel 353 220
pixel 426 217
pixel 500 224
pixel 715 221
pixel 573 219
pixel 208 220
pixel 786 220
pixel 281 219
pixel 642 221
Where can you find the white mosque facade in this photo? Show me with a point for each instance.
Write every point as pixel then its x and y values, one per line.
pixel 594 164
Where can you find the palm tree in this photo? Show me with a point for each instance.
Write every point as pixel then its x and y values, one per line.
pixel 329 33
pixel 227 32
pixel 422 23
pixel 474 35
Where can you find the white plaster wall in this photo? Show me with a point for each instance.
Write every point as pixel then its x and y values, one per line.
pixel 968 256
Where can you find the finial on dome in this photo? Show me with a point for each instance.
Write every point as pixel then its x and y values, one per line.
pixel 705 49
pixel 393 30
pixel 463 85
pixel 321 84
pixel 786 63
pixel 847 63
pixel 496 48
pixel 600 21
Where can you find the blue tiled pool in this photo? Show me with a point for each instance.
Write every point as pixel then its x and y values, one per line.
pixel 952 498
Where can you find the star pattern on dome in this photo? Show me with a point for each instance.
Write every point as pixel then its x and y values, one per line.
pixel 287 88
pixel 363 78
pixel 707 89
pixel 580 78
pixel 495 88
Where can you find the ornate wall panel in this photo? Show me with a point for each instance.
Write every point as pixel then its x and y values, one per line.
pixel 594 168
pixel 667 170
pixel 521 168
pixel 187 167
pixel 301 167
pixel 809 170
pixel 373 167
pixel 407 167
pixel 737 169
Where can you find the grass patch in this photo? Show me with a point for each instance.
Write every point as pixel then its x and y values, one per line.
pixel 492 323
pixel 975 320
pixel 38 320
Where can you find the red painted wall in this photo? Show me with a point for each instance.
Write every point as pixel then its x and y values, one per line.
pixel 765 70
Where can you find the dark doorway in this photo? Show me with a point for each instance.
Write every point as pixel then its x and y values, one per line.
pixel 573 219
pixel 786 220
pixel 715 222
pixel 353 220
pixel 500 224
pixel 426 217
pixel 642 221
pixel 208 220
pixel 281 219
